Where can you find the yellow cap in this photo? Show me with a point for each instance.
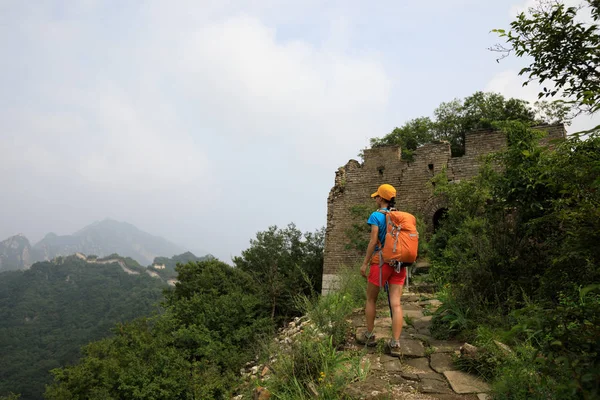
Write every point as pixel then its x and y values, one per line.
pixel 385 191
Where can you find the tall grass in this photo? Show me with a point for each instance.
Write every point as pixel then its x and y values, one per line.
pixel 313 365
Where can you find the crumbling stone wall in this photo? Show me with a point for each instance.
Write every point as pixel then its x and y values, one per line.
pixel 355 182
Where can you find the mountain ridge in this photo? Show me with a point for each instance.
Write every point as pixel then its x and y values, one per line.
pixel 100 238
pixel 15 253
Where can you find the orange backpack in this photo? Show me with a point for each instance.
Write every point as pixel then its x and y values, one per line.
pixel 401 240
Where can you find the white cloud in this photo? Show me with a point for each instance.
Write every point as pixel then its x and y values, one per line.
pixel 256 86
pixel 108 144
pixel 510 84
pixel 241 81
pixel 150 114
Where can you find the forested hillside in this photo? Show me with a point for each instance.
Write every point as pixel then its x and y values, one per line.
pixel 50 310
pixel 215 320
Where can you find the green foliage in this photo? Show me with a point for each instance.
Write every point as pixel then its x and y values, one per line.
pixel 410 136
pixel 329 315
pixel 358 233
pixel 455 118
pixel 50 310
pixel 285 263
pixel 11 396
pixel 452 318
pixel 353 285
pixel 564 50
pixel 313 363
pixel 211 323
pixel 422 229
pixel 518 243
pixel 566 341
pixel 490 358
pixel 519 379
pixel 554 112
pixel 219 311
pixel 135 364
pixel 170 263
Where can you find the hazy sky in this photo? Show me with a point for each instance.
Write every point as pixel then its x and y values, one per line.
pixel 208 121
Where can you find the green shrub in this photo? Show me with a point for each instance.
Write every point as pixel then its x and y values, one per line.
pixel 329 314
pixel 358 234
pixel 313 364
pixel 517 246
pixel 490 357
pixel 11 396
pixel 451 319
pixel 520 379
pixel 566 340
pixel 353 285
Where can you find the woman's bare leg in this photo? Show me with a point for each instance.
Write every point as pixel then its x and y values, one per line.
pixel 397 315
pixel 371 307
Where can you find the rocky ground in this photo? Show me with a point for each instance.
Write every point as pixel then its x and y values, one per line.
pixel 424 371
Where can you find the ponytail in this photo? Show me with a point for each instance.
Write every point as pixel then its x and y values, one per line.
pixel 392 202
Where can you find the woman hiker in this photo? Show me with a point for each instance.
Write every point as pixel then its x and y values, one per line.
pixel 385 197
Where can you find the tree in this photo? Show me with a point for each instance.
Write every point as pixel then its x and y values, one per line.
pixel 50 310
pixel 194 349
pixel 522 243
pixel 565 51
pixel 285 263
pixel 454 119
pixel 411 135
pixel 448 121
pixel 553 112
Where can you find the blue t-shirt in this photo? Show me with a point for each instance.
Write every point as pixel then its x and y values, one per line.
pixel 378 218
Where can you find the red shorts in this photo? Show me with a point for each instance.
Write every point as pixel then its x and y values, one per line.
pixel 388 275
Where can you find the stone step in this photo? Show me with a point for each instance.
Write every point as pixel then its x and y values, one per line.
pixel 463 383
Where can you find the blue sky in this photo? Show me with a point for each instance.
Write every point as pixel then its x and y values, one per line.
pixel 208 121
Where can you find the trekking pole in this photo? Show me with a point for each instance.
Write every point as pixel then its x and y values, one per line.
pixel 387 289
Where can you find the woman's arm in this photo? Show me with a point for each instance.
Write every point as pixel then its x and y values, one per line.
pixel 370 249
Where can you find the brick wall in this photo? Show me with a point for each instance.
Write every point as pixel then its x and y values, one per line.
pixel 355 182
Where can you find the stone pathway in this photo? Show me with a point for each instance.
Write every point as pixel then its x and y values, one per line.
pixel 425 371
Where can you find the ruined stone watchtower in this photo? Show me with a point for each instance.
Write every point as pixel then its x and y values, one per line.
pixel 354 183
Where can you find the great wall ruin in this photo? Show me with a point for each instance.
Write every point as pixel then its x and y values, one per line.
pixel 354 183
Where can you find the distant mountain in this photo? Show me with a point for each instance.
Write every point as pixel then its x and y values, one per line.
pixel 103 238
pixel 15 253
